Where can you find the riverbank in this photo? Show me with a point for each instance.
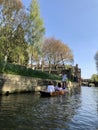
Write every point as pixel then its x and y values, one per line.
pixel 19 84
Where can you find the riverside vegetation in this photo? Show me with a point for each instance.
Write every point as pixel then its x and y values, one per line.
pixel 8 68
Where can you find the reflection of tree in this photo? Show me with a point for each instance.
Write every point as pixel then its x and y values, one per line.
pixel 97 107
pixel 95 96
pixel 16 109
pixel 2 81
pixel 60 109
pixel 28 110
pixel 0 102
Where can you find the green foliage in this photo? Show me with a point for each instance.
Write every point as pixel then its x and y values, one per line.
pixel 9 68
pixel 35 31
pixel 13 47
pixel 94 78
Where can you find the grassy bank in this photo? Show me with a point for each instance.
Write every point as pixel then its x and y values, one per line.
pixel 8 68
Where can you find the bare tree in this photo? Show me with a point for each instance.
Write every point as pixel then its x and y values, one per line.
pixel 14 4
pixel 56 52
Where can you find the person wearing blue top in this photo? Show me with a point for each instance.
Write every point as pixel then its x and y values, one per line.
pixel 64 79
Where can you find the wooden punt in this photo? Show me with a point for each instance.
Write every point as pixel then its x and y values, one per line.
pixel 53 94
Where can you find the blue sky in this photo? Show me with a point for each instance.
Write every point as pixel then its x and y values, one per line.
pixel 74 22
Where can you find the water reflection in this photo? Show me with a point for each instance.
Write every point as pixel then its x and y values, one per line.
pixel 31 112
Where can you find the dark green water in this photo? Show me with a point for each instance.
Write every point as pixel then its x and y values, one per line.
pixel 31 112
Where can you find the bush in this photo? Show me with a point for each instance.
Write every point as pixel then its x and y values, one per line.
pixel 9 68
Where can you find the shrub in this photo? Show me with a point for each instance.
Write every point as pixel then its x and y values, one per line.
pixel 15 69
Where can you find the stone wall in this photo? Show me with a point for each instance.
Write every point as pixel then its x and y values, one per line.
pixel 73 87
pixel 14 83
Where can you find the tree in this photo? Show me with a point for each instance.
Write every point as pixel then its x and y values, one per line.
pixel 35 31
pixel 12 32
pixel 94 78
pixel 96 60
pixel 8 11
pixel 56 52
pixel 19 49
pixel 12 3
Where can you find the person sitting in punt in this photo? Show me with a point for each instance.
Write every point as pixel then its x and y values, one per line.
pixel 58 87
pixel 50 87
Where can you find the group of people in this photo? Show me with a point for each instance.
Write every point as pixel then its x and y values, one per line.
pixel 60 86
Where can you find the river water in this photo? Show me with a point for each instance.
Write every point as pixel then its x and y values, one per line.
pixel 78 111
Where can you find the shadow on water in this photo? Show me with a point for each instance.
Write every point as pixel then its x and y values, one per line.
pixel 2 81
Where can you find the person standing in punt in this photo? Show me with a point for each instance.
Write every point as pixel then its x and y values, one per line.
pixel 64 80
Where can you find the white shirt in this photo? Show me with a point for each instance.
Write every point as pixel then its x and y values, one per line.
pixel 64 77
pixel 50 88
pixel 58 88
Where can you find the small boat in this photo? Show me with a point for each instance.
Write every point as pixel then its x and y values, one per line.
pixel 52 94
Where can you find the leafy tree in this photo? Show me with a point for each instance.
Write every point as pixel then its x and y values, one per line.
pixel 19 49
pixel 35 31
pixel 94 78
pixel 12 32
pixel 8 11
pixel 96 60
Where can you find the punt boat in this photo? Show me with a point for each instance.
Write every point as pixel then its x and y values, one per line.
pixel 44 93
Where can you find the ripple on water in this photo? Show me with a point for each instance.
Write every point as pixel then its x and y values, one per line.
pixel 30 112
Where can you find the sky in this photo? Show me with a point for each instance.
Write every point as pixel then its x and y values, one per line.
pixel 75 23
